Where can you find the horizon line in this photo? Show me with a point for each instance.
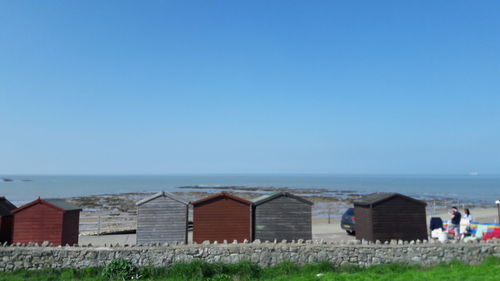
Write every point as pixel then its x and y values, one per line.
pixel 471 174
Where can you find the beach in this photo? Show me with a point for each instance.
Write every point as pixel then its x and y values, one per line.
pixel 113 216
pixel 322 230
pixel 109 212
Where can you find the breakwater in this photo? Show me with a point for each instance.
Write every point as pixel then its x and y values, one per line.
pixel 264 254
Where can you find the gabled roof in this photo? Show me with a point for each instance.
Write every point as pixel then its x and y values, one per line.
pixel 222 194
pixel 63 204
pixel 271 196
pixel 59 204
pixel 378 197
pixel 164 194
pixel 6 207
pixel 262 197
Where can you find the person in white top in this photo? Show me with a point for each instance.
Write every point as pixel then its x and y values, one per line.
pixel 469 219
pixel 467 215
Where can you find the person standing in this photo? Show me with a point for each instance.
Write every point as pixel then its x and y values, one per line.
pixel 467 215
pixel 455 222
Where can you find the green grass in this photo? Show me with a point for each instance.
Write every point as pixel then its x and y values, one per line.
pixel 488 271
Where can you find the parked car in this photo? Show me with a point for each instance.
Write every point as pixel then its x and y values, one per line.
pixel 348 221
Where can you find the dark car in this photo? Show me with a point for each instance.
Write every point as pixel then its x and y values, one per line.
pixel 348 221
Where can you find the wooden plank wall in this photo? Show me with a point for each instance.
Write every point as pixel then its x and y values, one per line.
pixel 399 218
pixel 71 225
pixel 364 223
pixel 38 223
pixel 283 218
pixel 162 220
pixel 222 219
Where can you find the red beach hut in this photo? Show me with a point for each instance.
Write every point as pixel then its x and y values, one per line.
pixel 222 217
pixel 52 220
pixel 6 220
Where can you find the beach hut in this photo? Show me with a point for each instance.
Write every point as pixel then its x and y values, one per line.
pixel 222 217
pixel 282 216
pixel 386 216
pixel 52 220
pixel 6 220
pixel 162 218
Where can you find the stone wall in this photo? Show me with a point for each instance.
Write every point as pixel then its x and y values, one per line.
pixel 265 254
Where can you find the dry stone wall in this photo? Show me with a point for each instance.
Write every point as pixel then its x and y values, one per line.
pixel 264 254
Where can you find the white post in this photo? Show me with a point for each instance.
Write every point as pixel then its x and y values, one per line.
pixel 498 206
pixel 99 225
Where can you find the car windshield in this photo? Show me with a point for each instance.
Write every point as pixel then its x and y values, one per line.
pixel 349 212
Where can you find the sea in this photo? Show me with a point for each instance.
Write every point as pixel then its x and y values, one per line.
pixel 481 189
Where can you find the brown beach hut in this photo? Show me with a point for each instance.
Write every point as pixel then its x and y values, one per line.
pixel 52 220
pixel 222 217
pixel 162 218
pixel 6 220
pixel 282 216
pixel 386 216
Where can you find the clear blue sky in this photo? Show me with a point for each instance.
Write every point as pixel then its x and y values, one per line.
pixel 166 87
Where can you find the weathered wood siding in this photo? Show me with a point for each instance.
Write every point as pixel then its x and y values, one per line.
pixel 71 227
pixel 399 218
pixel 162 220
pixel 282 218
pixel 220 219
pixel 396 218
pixel 38 223
pixel 364 223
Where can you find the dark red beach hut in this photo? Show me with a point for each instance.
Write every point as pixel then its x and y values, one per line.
pixel 6 220
pixel 222 217
pixel 387 216
pixel 52 220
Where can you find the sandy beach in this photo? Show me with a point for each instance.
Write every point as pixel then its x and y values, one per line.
pixel 322 230
pixel 114 215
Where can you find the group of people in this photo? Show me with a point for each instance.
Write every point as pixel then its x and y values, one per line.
pixel 456 218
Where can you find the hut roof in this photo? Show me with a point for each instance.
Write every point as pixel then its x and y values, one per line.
pixel 6 207
pixel 63 204
pixel 378 197
pixel 165 194
pixel 222 194
pixel 60 204
pixel 267 197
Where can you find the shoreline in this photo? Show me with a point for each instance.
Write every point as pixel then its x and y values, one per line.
pixel 468 190
pixel 111 213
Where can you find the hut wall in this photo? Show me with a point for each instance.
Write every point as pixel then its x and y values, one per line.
pixel 6 224
pixel 38 223
pixel 364 223
pixel 282 218
pixel 399 218
pixel 162 220
pixel 222 219
pixel 71 226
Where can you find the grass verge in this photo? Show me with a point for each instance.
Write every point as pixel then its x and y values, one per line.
pixel 197 271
